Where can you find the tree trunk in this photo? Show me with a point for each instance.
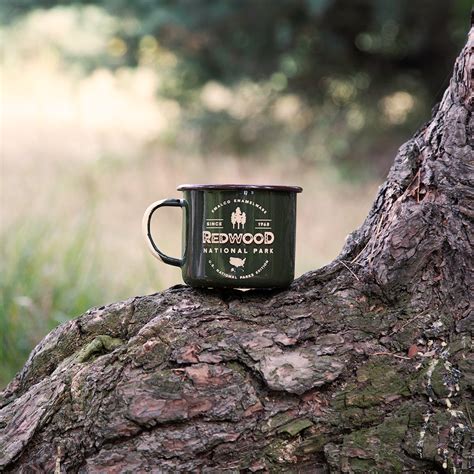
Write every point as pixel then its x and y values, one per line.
pixel 362 366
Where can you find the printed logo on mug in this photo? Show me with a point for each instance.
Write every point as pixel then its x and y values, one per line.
pixel 235 236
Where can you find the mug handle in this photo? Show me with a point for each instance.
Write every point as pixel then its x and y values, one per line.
pixel 146 227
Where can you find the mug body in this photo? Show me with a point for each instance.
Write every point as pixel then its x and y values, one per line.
pixel 239 236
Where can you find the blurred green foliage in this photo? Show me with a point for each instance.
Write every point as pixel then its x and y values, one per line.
pixel 349 63
pixel 47 278
pixel 302 41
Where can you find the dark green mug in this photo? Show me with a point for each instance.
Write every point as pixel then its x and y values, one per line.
pixel 235 235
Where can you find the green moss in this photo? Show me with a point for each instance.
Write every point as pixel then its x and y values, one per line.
pixel 434 429
pixel 377 381
pixel 392 430
pixel 437 381
pixel 416 416
pixel 274 451
pixel 358 417
pixel 362 465
pixel 295 426
pixel 99 344
pixel 463 343
pixel 378 448
pixel 313 444
pixel 276 421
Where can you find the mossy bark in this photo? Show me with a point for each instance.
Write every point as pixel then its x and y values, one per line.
pixel 365 365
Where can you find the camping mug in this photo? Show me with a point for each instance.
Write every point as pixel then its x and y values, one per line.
pixel 235 236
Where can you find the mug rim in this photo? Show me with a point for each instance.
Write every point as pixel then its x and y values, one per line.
pixel 244 187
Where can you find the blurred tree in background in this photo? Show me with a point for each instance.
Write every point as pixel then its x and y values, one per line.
pixel 322 79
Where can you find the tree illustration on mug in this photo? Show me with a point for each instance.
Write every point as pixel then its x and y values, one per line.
pixel 238 217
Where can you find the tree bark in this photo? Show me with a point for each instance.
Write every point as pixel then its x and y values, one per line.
pixel 365 365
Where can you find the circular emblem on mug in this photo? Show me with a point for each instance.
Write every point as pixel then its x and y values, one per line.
pixel 238 238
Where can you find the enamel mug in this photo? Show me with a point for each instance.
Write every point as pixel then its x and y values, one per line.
pixel 234 236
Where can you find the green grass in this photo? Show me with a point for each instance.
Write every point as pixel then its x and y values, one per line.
pixel 48 276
